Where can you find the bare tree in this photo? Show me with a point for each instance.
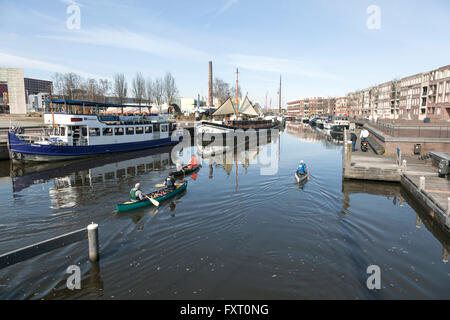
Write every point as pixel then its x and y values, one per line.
pixel 170 88
pixel 221 90
pixel 120 87
pixel 149 93
pixel 233 92
pixel 104 87
pixel 58 84
pixel 71 85
pixel 139 88
pixel 90 88
pixel 158 89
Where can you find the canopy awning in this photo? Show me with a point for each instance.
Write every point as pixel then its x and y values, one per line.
pixel 228 108
pixel 225 109
pixel 247 108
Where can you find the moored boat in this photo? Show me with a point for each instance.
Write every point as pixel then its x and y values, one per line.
pixel 160 195
pixel 76 133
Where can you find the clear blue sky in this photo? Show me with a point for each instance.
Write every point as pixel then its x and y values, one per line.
pixel 320 47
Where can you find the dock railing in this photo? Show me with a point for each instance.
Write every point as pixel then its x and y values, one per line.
pixel 412 130
pixel 31 251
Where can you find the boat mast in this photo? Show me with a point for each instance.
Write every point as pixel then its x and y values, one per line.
pixel 51 105
pixel 266 102
pixel 279 103
pixel 237 93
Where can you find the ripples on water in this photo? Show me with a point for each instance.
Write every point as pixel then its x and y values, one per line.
pixel 265 237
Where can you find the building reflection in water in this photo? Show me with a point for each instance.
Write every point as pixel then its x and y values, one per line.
pixel 306 132
pixel 230 154
pixel 69 178
pixel 398 195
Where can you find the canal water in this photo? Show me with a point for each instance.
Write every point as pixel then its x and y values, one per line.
pixel 234 234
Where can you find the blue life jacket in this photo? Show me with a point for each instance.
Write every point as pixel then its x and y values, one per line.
pixel 302 168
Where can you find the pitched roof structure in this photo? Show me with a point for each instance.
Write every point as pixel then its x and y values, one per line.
pixel 227 108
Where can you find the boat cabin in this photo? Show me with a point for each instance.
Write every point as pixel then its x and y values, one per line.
pixel 88 128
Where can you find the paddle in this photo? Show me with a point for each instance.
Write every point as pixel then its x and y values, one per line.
pixel 155 203
pixel 163 185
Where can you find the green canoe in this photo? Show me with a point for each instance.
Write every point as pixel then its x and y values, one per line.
pixel 159 196
pixel 186 171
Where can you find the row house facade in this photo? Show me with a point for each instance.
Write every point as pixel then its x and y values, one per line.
pixel 416 97
pixel 342 106
pixel 311 107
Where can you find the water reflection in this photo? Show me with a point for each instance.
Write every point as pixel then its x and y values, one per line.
pixel 88 171
pixel 310 133
pixel 398 195
pixel 241 152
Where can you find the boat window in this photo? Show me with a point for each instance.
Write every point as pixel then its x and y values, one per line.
pixel 148 129
pixel 156 127
pixel 118 131
pixel 139 130
pixel 84 132
pixel 63 131
pixel 130 130
pixel 164 128
pixel 94 132
pixel 107 131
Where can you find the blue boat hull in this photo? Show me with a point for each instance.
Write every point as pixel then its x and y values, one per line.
pixel 22 150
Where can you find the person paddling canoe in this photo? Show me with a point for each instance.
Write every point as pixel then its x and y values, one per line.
pixel 136 193
pixel 170 182
pixel 302 168
pixel 193 162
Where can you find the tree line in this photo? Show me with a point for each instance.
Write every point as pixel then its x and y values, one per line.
pixel 74 87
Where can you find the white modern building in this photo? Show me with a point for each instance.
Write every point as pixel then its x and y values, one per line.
pixel 14 79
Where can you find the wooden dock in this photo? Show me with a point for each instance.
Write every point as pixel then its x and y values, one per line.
pixel 418 177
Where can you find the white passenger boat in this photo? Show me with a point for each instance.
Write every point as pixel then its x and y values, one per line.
pixel 84 134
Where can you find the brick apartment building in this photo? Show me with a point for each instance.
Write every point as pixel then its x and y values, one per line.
pixel 341 106
pixel 311 107
pixel 416 97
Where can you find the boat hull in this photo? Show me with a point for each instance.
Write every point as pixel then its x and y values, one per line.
pixel 215 128
pixel 186 171
pixel 129 206
pixel 21 150
pixel 301 178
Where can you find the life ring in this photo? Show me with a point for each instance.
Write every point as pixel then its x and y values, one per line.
pixel 16 155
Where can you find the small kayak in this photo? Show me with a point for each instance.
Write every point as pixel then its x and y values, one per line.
pixel 159 196
pixel 301 177
pixel 187 170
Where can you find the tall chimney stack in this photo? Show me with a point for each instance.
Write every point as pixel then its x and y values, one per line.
pixel 210 89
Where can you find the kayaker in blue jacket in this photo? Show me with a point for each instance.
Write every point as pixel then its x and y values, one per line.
pixel 302 168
